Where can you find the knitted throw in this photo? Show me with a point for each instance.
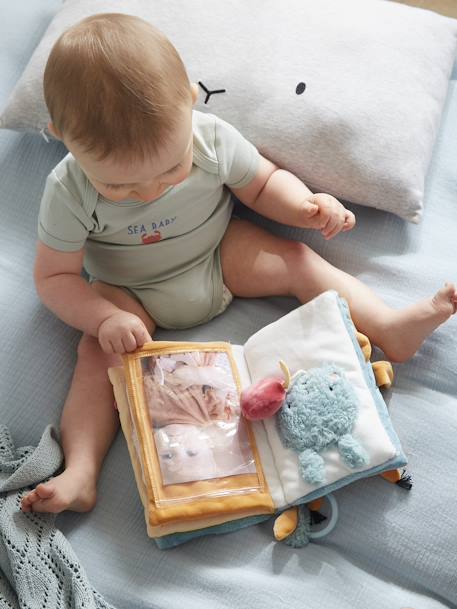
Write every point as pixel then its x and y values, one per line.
pixel 38 568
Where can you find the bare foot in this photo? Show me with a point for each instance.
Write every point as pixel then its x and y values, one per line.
pixel 407 329
pixel 72 490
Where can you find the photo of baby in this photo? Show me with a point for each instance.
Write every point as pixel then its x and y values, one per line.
pixel 193 404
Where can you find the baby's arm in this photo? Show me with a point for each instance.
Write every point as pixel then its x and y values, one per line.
pixel 278 194
pixel 62 289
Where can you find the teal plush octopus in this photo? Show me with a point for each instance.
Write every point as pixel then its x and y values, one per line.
pixel 319 410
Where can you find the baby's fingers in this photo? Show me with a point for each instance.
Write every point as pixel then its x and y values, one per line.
pixel 349 221
pixel 125 343
pixel 118 345
pixel 333 226
pixel 333 233
pixel 106 346
pixel 310 208
pixel 141 336
pixel 129 342
pixel 329 235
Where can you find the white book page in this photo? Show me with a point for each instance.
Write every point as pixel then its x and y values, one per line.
pixel 307 337
pixel 261 438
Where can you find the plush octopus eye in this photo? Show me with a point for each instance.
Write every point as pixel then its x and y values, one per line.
pixel 300 88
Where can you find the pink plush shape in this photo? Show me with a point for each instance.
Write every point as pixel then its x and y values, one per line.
pixel 263 399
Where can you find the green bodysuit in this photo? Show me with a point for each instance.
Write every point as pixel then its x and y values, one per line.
pixel 165 252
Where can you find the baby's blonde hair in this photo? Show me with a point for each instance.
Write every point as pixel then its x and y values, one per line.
pixel 116 85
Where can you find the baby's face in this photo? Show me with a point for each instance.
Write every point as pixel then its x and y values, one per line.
pixel 144 181
pixel 185 453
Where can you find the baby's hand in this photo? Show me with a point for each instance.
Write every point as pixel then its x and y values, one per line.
pixel 327 214
pixel 122 332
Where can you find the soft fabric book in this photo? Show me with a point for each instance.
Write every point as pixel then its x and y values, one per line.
pixel 202 467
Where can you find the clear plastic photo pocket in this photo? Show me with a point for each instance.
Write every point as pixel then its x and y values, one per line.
pixel 190 439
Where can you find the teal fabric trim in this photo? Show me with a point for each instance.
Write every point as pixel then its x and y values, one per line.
pixel 367 369
pixel 175 539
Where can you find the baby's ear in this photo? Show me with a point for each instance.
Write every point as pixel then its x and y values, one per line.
pixel 54 131
pixel 194 92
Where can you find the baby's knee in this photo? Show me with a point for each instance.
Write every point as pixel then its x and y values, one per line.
pixel 301 256
pixel 303 266
pixel 298 256
pixel 297 249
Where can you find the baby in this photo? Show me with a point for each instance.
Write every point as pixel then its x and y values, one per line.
pixel 143 202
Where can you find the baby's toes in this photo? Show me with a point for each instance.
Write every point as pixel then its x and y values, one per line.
pixel 444 300
pixel 40 493
pixel 451 293
pixel 28 500
pixel 454 301
pixel 45 491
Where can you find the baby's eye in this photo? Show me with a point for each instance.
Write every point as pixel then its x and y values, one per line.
pixel 115 186
pixel 174 169
pixel 167 455
pixel 192 453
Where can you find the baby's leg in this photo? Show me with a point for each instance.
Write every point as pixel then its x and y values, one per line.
pixel 89 421
pixel 257 263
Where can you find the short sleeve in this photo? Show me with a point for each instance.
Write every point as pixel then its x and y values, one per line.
pixel 238 159
pixel 63 224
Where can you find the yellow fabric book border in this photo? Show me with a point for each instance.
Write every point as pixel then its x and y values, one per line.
pixel 207 501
